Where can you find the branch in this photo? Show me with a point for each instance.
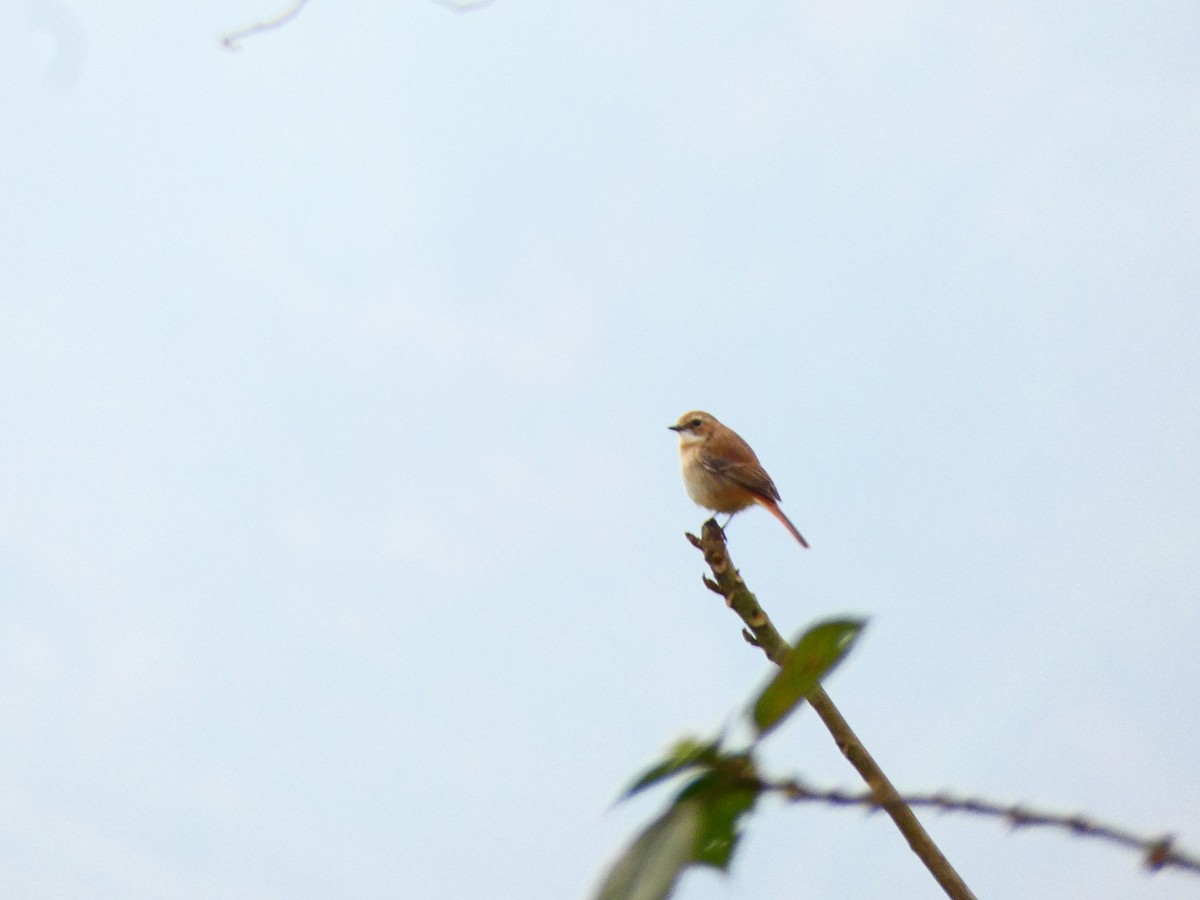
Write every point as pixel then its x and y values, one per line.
pixel 761 633
pixel 231 39
pixel 1157 853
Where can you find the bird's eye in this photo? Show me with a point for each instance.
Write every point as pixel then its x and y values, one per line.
pixel 695 423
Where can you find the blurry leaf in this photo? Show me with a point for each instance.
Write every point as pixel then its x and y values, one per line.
pixel 816 653
pixel 724 797
pixel 650 867
pixel 684 755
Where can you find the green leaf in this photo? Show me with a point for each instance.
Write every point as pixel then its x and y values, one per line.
pixel 724 797
pixel 650 867
pixel 687 754
pixel 816 653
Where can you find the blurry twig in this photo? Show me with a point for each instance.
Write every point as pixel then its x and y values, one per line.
pixel 230 40
pixel 1157 853
pixel 469 6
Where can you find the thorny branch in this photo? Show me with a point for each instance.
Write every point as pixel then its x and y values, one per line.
pixel 1157 853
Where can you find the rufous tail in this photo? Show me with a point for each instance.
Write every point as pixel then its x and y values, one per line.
pixel 774 509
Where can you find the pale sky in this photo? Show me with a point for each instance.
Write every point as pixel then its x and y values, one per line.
pixel 340 529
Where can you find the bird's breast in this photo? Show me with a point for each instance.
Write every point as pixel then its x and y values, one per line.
pixel 708 489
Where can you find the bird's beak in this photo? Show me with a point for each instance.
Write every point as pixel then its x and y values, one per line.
pixel 675 427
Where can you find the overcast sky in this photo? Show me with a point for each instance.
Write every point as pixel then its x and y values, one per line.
pixel 341 541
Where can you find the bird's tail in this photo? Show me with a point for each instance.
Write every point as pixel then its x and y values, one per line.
pixel 774 509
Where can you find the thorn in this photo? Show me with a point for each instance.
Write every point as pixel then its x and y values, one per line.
pixel 712 585
pixel 1158 854
pixel 1017 817
pixel 692 539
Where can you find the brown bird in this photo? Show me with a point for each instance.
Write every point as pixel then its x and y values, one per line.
pixel 721 472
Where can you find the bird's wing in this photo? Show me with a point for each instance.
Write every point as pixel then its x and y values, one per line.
pixel 749 474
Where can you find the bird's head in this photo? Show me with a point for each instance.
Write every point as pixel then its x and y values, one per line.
pixel 694 426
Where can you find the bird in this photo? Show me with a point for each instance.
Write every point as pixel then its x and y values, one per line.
pixel 721 472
